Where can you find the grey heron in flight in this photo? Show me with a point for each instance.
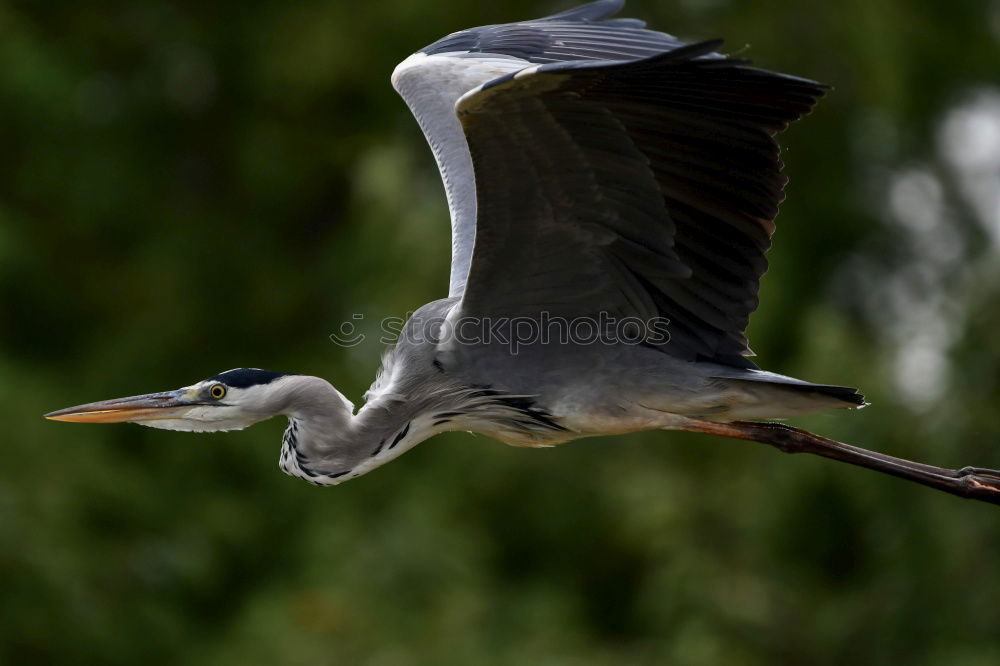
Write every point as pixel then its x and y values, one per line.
pixel 609 185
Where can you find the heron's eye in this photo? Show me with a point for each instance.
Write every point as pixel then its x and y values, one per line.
pixel 218 391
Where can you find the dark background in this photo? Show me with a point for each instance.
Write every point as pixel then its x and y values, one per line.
pixel 189 187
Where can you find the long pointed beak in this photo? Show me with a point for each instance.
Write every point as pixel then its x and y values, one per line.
pixel 149 407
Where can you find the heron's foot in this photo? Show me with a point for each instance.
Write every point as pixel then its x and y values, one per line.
pixel 981 483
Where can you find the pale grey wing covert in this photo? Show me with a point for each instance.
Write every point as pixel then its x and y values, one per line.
pixel 644 188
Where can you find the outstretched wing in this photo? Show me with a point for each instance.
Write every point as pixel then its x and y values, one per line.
pixel 432 80
pixel 608 169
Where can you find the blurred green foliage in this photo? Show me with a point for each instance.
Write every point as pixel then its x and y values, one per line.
pixel 189 187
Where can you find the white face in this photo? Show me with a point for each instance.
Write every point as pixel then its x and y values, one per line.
pixel 211 405
pixel 236 409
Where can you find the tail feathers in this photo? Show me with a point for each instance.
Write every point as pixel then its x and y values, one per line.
pixel 845 394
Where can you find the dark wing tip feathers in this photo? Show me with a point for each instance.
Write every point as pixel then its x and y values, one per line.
pixel 704 52
pixel 798 95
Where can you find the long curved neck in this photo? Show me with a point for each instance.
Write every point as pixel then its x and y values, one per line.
pixel 326 443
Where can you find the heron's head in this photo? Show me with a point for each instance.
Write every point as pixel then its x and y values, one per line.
pixel 231 400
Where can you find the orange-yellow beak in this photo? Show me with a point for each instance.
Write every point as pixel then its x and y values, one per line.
pixel 149 407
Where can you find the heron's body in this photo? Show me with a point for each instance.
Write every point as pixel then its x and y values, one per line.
pixel 602 179
pixel 542 396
